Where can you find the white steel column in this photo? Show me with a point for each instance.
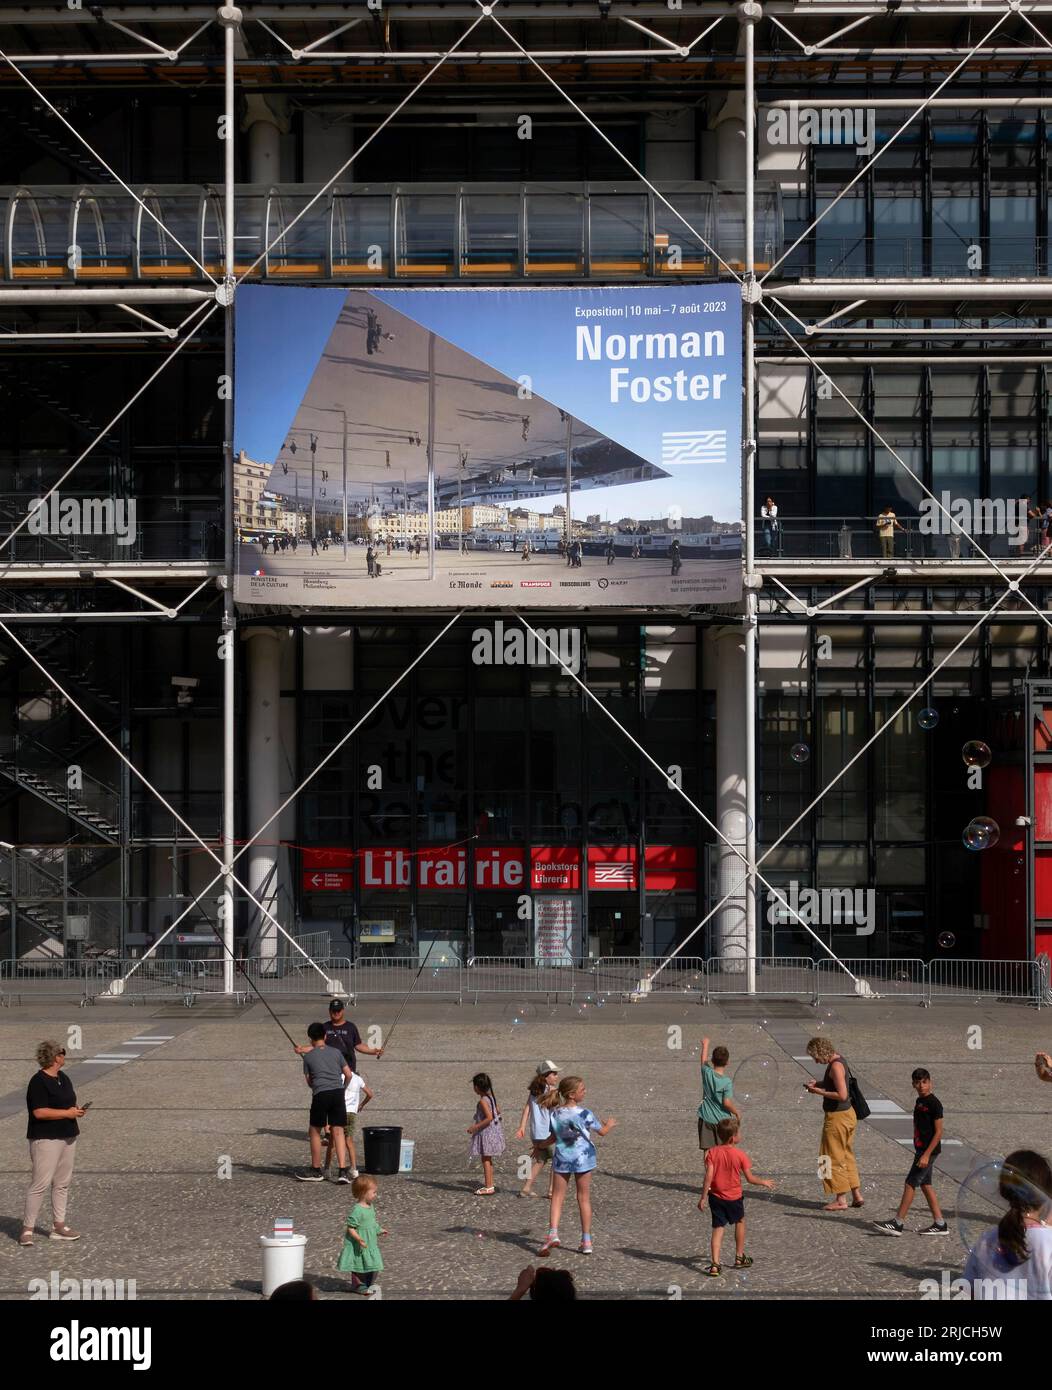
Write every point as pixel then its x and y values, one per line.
pixel 750 15
pixel 728 649
pixel 263 768
pixel 230 18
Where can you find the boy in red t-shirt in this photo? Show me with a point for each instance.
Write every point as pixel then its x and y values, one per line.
pixel 725 1167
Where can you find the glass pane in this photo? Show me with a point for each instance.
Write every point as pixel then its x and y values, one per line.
pixel 361 227
pixel 619 233
pixel 427 233
pixel 491 233
pixel 554 232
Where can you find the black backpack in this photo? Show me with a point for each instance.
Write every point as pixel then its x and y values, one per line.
pixel 855 1096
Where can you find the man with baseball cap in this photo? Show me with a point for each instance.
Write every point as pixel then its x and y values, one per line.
pixel 341 1034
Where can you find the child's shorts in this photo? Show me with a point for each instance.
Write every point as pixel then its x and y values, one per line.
pixel 726 1213
pixel 350 1129
pixel 578 1166
pixel 707 1137
pixel 541 1152
pixel 328 1108
pixel 920 1177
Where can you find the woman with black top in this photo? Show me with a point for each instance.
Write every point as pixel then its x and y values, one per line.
pixel 52 1134
pixel 838 1167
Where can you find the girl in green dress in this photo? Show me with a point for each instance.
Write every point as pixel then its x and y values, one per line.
pixel 360 1255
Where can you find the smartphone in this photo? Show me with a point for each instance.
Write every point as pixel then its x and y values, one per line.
pixel 87 1105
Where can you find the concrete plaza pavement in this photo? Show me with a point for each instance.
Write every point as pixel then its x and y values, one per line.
pixel 219 1088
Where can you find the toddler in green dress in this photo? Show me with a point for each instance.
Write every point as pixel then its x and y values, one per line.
pixel 360 1255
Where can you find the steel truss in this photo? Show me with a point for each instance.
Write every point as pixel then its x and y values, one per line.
pixel 756 299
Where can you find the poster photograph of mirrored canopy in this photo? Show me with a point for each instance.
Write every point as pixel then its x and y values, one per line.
pixel 529 448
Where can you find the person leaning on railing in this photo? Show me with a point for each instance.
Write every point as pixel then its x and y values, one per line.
pixel 52 1134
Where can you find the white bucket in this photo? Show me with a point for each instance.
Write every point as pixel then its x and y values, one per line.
pixel 405 1157
pixel 282 1261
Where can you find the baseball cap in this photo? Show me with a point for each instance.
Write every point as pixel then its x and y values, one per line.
pixel 543 1068
pixel 335 1005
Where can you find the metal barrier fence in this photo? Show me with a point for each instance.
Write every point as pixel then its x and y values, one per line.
pixel 380 975
pixel 781 975
pixel 524 976
pixel 636 977
pixel 293 977
pixel 889 977
pixel 986 979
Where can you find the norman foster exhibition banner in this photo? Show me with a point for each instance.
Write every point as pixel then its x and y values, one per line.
pixel 425 448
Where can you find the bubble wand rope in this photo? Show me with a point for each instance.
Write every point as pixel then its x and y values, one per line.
pixel 405 1001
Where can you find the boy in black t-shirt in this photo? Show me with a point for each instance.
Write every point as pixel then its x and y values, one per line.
pixel 927 1145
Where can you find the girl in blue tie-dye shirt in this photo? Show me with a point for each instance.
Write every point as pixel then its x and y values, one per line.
pixel 572 1124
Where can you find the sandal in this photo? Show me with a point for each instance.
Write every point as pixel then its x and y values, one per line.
pixel 743 1262
pixel 714 1271
pixel 859 1204
pixel 524 1193
pixel 485 1191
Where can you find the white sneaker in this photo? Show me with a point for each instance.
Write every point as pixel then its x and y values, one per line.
pixel 354 1173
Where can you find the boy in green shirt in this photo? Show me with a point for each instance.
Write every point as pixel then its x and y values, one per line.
pixel 716 1092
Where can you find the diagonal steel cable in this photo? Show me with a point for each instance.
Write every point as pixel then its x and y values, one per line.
pixel 674 786
pixel 98 157
pixel 888 143
pixel 888 723
pixel 364 146
pixel 606 139
pixel 1013 584
pixel 268 916
pixel 106 428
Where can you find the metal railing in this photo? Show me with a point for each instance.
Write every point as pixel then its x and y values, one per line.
pixel 375 233
pixel 988 979
pixel 292 976
pixel 524 976
pixel 890 977
pixel 886 256
pixel 628 977
pixel 855 538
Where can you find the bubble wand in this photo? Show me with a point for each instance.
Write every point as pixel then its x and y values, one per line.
pixel 405 1001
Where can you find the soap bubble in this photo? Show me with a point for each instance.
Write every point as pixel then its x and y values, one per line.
pixel 927 718
pixel 518 1015
pixel 981 833
pixel 586 1006
pixel 981 1202
pixel 946 940
pixel 799 752
pixel 756 1079
pixel 976 753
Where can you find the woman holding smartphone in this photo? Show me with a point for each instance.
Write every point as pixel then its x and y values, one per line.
pixel 52 1134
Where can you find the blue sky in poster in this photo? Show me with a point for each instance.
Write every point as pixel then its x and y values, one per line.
pixel 280 335
pixel 574 344
pixel 550 336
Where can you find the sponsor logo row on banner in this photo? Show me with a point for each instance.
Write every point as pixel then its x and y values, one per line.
pixel 550 867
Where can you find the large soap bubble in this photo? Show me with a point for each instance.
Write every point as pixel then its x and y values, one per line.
pixel 799 752
pixel 976 753
pixel 927 718
pixel 981 833
pixel 756 1079
pixel 983 1199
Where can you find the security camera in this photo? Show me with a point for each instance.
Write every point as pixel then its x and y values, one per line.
pixel 1022 821
pixel 187 682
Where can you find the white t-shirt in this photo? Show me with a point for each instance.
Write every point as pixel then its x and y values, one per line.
pixel 991 1276
pixel 352 1093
